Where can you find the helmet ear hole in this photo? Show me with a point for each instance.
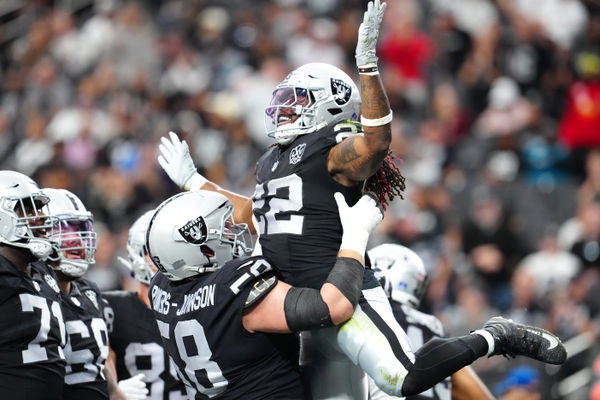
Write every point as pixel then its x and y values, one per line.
pixel 207 251
pixel 334 111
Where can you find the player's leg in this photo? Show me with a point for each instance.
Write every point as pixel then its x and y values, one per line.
pixel 327 372
pixel 374 340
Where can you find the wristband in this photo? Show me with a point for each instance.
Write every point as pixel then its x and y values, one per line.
pixel 377 121
pixel 368 70
pixel 195 182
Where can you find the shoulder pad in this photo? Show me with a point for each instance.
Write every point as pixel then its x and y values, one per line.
pixel 261 287
pixel 247 272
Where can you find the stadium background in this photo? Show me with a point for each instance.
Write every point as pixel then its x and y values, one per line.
pixel 497 121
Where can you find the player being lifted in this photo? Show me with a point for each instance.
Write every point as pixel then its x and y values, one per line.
pixel 404 279
pixel 223 316
pixel 321 149
pixel 32 363
pixel 142 365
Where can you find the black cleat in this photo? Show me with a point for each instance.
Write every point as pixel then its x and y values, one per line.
pixel 513 339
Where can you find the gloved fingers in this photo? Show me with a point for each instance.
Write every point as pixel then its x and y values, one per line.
pixel 174 138
pixel 163 163
pixel 185 148
pixel 166 148
pixel 139 378
pixel 368 210
pixel 341 203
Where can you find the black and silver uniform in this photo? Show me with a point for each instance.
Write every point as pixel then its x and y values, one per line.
pixel 32 333
pixel 299 223
pixel 421 328
pixel 87 342
pixel 135 339
pixel 200 320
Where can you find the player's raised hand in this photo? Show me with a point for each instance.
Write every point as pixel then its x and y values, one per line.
pixel 368 32
pixel 134 388
pixel 358 221
pixel 177 162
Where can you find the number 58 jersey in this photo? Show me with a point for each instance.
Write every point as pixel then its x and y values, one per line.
pixel 200 321
pixel 298 219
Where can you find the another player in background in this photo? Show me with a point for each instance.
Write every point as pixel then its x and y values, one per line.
pixel 321 149
pixel 224 316
pixel 32 333
pixel 136 353
pixel 404 279
pixel 86 349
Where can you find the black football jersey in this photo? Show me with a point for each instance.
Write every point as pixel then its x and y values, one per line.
pixel 200 320
pixel 299 224
pixel 421 328
pixel 87 341
pixel 136 341
pixel 32 333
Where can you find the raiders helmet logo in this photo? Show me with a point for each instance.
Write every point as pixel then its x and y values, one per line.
pixel 194 231
pixel 341 91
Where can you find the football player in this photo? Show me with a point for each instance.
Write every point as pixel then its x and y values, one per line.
pixel 222 314
pixel 32 363
pixel 136 350
pixel 404 279
pixel 321 149
pixel 87 337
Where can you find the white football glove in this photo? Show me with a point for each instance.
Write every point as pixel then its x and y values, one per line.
pixel 134 388
pixel 358 221
pixel 177 162
pixel 368 32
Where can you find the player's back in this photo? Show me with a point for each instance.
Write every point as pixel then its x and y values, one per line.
pixel 32 364
pixel 138 347
pixel 299 225
pixel 87 342
pixel 200 320
pixel 421 328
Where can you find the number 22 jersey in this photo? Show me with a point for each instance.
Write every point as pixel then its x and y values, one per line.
pixel 298 219
pixel 200 320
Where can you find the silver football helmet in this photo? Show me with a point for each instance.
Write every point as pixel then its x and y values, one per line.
pixel 401 273
pixel 311 97
pixel 193 232
pixel 136 251
pixel 22 221
pixel 73 234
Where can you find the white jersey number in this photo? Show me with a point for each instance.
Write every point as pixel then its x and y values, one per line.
pixel 278 196
pixel 93 366
pixel 155 354
pixel 195 362
pixel 35 352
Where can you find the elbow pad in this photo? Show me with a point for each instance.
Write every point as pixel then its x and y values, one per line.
pixel 347 275
pixel 305 309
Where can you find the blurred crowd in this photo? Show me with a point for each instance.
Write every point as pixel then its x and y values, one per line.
pixel 497 123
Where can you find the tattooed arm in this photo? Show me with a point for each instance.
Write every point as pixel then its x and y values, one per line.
pixel 358 157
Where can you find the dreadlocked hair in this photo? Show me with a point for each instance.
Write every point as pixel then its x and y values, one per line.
pixel 388 182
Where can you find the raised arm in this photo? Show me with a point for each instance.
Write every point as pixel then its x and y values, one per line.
pixel 358 157
pixel 177 162
pixel 283 308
